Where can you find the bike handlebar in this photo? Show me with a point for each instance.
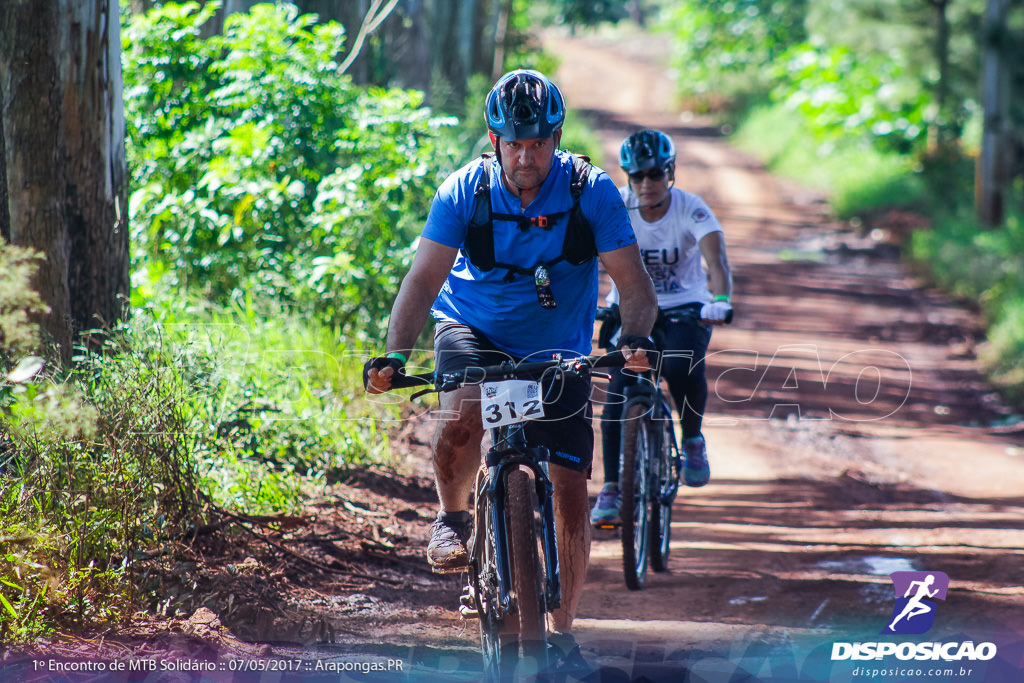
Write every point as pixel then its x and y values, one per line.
pixel 578 366
pixel 671 315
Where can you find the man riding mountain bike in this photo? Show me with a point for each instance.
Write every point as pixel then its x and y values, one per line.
pixel 675 231
pixel 507 266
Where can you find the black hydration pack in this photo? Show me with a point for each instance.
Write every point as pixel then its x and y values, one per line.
pixel 577 248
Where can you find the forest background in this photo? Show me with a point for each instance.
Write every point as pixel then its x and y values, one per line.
pixel 183 325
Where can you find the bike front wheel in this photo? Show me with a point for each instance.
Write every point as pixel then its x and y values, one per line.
pixel 513 637
pixel 665 486
pixel 528 580
pixel 634 481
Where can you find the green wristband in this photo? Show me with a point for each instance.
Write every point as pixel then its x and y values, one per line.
pixel 721 297
pixel 399 356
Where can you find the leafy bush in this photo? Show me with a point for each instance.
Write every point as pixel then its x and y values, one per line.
pixel 261 170
pixel 841 94
pixel 91 464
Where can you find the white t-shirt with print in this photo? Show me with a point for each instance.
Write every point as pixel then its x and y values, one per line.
pixel 670 247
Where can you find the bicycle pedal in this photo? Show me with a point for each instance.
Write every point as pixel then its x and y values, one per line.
pixel 607 525
pixel 467 604
pixel 450 570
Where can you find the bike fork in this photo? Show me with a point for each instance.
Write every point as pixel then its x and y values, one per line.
pixel 545 496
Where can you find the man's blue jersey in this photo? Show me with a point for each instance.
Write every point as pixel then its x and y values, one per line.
pixel 508 312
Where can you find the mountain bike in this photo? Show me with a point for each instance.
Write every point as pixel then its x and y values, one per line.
pixel 513 577
pixel 649 460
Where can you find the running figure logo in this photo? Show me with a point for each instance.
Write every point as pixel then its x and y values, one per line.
pixel 914 613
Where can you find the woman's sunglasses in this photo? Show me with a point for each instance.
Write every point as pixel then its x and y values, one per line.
pixel 654 174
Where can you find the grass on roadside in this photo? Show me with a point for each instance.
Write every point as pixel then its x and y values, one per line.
pixel 984 266
pixel 855 177
pixel 189 408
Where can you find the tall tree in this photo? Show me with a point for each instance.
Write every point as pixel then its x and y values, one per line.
pixel 994 162
pixel 65 170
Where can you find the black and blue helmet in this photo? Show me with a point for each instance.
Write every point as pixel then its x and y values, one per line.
pixel 524 105
pixel 645 150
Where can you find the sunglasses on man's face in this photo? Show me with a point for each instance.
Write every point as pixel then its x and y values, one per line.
pixel 654 174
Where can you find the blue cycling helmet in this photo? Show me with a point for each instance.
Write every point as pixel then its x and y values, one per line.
pixel 524 105
pixel 645 150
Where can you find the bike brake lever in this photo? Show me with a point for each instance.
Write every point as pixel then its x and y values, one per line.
pixel 600 375
pixel 423 393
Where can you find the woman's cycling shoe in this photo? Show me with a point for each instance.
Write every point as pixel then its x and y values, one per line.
pixel 696 470
pixel 606 509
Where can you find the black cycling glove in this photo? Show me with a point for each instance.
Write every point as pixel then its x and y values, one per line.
pixel 379 364
pixel 635 341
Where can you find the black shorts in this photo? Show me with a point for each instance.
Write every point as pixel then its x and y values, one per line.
pixel 566 427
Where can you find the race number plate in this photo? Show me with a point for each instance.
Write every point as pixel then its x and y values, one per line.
pixel 505 403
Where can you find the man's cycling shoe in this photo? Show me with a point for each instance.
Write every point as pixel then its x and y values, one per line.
pixel 565 660
pixel 606 509
pixel 449 535
pixel 696 470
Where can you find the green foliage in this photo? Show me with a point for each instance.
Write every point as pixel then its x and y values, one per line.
pixel 582 13
pixel 93 467
pixel 906 40
pixel 579 137
pixel 260 169
pixel 728 47
pixel 18 301
pixel 856 176
pixel 875 103
pixel 840 94
pixel 903 75
pixel 278 405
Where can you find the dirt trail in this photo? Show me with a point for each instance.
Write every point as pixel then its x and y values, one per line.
pixel 849 433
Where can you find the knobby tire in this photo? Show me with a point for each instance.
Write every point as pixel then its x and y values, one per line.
pixel 635 487
pixel 527 572
pixel 666 478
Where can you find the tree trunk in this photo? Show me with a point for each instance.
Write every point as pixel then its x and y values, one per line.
pixel 63 129
pixel 944 134
pixel 5 212
pixel 501 39
pixel 407 27
pixel 992 170
pixel 30 70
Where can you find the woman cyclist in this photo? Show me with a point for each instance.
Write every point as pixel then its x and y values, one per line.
pixel 675 230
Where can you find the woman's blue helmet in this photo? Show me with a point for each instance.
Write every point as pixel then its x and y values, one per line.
pixel 524 105
pixel 645 150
